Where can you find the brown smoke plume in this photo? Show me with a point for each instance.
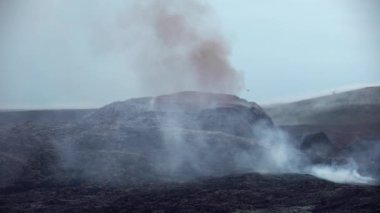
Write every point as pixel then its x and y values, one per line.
pixel 177 47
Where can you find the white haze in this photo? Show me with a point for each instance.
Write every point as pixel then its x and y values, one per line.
pixel 341 174
pixel 276 154
pixel 281 156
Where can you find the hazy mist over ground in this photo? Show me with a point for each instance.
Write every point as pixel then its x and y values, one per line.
pixel 64 54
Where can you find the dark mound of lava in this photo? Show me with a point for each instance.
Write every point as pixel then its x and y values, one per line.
pixel 169 137
pixel 190 110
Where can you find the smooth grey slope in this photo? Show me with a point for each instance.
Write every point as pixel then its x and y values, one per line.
pixel 360 106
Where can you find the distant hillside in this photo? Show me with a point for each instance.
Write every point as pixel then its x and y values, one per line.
pixel 360 106
pixel 42 116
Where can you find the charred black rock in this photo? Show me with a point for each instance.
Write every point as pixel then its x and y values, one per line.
pixel 318 147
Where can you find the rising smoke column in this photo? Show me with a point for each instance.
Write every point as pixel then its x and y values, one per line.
pixel 176 46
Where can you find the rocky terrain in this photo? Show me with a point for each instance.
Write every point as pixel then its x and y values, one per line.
pixel 189 152
pixel 233 193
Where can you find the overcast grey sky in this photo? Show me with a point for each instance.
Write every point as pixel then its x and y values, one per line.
pixel 57 53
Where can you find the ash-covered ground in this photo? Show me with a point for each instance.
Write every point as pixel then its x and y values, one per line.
pixel 233 193
pixel 188 152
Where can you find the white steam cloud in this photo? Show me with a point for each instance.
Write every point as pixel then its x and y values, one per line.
pixel 341 174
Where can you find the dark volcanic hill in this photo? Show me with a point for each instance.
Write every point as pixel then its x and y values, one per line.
pixel 178 136
pixel 189 110
pixel 183 152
